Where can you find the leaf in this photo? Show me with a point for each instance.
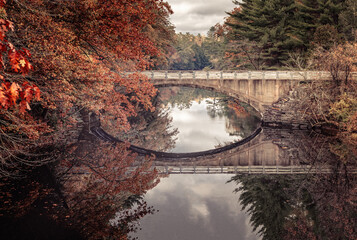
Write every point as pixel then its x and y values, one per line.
pixel 22 63
pixel 28 95
pixel 14 92
pixel 37 92
pixel 3 98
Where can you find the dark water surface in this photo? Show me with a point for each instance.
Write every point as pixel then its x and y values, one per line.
pixel 93 195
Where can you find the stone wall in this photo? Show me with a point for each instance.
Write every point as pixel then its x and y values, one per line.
pixel 287 113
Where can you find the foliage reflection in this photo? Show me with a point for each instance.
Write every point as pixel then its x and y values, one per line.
pixel 300 207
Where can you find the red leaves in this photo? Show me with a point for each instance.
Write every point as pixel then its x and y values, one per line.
pixel 13 93
pixel 18 60
pixel 5 25
pixel 2 3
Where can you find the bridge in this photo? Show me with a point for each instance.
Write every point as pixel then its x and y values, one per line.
pixel 258 88
pixel 265 151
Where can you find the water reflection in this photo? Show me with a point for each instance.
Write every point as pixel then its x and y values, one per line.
pixel 195 207
pixel 95 192
pixel 192 120
pixel 300 207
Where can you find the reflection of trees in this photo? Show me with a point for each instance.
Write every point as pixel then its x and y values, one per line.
pixel 216 106
pixel 98 183
pixel 301 207
pixel 97 195
pixel 152 130
pixel 182 97
pixel 242 119
pixel 266 201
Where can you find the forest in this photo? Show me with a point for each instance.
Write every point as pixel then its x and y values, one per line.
pixel 65 62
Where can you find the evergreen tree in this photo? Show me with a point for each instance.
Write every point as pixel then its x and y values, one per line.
pixel 329 11
pixel 270 24
pixel 282 26
pixel 348 20
pixel 305 23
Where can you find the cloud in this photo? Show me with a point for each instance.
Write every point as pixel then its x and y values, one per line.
pixel 197 16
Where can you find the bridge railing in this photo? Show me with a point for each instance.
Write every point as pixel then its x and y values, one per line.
pixel 305 169
pixel 242 75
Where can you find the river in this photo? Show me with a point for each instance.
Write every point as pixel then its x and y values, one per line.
pixel 111 200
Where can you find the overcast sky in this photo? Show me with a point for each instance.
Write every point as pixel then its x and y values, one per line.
pixel 197 16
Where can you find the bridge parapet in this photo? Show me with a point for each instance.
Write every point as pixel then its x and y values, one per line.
pixel 281 170
pixel 242 75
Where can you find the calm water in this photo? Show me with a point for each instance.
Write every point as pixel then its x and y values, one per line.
pixel 95 194
pixel 195 207
pixel 192 120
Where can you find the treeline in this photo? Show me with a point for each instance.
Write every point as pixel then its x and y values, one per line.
pixel 191 52
pixel 269 34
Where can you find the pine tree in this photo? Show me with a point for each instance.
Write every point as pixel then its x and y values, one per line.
pixel 270 24
pixel 329 11
pixel 348 20
pixel 307 11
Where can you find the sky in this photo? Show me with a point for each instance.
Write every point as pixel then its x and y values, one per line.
pixel 197 16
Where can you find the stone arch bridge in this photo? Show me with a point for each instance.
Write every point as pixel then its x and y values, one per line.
pixel 258 88
pixel 264 151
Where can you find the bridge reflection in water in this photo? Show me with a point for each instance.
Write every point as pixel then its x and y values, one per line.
pixel 266 151
pixel 272 151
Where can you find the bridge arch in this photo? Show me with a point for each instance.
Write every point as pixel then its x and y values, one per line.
pixel 241 97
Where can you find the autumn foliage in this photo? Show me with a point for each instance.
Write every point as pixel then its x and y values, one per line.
pixel 81 52
pixel 15 61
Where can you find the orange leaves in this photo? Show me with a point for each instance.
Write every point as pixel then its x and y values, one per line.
pixel 5 25
pixel 13 93
pixel 18 60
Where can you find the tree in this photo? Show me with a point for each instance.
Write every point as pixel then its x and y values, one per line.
pixel 348 20
pixel 80 50
pixel 189 53
pixel 281 27
pixel 268 23
pixel 339 60
pixel 20 129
